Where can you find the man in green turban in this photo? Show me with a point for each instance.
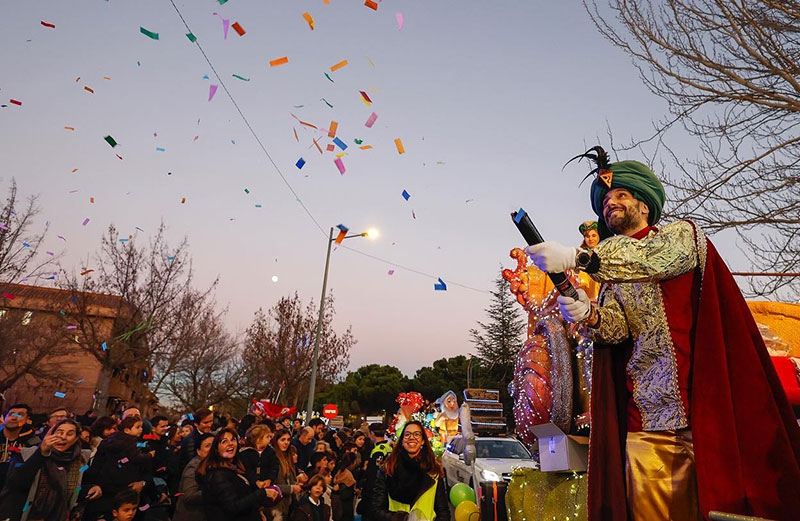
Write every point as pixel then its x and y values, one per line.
pixel 637 179
pixel 688 415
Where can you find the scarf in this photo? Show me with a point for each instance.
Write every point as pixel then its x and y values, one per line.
pixel 58 480
pixel 409 481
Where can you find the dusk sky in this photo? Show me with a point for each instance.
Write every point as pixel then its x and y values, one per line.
pixel 489 100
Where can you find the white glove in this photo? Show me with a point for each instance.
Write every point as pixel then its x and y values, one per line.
pixel 552 257
pixel 575 310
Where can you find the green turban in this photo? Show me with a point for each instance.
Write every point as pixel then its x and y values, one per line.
pixel 636 178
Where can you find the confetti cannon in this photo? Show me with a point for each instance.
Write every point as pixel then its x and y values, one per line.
pixel 532 236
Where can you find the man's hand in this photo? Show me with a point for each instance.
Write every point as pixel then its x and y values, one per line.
pixel 575 310
pixel 552 257
pixel 137 486
pixel 94 493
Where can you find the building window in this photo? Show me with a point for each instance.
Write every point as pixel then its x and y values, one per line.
pixel 26 318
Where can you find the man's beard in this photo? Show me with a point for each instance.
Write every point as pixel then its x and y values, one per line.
pixel 629 220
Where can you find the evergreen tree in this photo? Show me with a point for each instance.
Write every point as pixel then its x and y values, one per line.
pixel 500 338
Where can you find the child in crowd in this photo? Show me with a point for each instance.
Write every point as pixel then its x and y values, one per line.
pixel 345 486
pixel 312 506
pixel 125 505
pixel 119 465
pixel 258 458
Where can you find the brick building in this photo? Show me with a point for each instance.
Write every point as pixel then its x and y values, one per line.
pixel 61 348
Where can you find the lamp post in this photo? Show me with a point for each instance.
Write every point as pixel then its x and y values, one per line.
pixel 312 384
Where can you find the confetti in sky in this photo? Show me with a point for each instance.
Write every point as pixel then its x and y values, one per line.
pixel 309 19
pixel 279 61
pixel 338 66
pixel 149 34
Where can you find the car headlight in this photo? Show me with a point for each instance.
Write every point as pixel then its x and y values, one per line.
pixel 490 475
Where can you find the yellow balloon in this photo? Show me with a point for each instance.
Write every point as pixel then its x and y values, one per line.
pixel 467 511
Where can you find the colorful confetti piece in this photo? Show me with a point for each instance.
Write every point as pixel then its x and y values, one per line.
pixel 365 97
pixel 225 25
pixel 406 195
pixel 390 272
pixel 238 28
pixel 86 221
pixel 212 89
pixel 332 129
pixel 48 24
pixel 300 163
pixel 399 144
pixel 89 89
pixel 69 128
pixel 111 141
pixel 192 38
pixel 183 200
pixel 309 19
pixel 440 286
pixel 86 272
pixel 241 77
pixel 8 296
pixel 149 34
pixel 279 61
pixel 338 66
pixel 59 394
pixel 371 4
pixel 161 149
pixel 339 143
pixel 340 165
pixel 371 120
pixel 15 102
pixel 399 21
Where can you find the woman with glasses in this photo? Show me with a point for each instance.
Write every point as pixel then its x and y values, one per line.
pixel 410 485
pixel 227 494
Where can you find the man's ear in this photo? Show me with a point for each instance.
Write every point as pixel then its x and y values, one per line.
pixel 644 208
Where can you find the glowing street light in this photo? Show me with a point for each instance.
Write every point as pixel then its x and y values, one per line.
pixel 371 233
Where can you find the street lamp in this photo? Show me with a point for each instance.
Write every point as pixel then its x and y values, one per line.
pixel 312 384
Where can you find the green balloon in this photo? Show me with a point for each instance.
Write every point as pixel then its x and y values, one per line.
pixel 461 492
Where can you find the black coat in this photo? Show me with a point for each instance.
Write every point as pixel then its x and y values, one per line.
pixel 305 511
pixel 117 463
pixel 228 497
pixel 380 501
pixel 259 466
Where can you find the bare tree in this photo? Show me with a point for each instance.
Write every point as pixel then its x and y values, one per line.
pixel 28 344
pixel 206 366
pixel 156 306
pixel 279 348
pixel 730 73
pixel 21 255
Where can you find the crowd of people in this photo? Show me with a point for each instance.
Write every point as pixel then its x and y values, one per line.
pixel 127 467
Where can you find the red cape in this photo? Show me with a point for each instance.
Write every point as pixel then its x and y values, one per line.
pixel 746 439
